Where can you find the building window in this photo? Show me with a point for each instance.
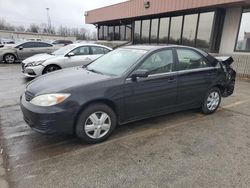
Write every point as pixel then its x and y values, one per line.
pixel 154 30
pixel 100 32
pixel 205 30
pixel 122 32
pixel 105 32
pixel 137 32
pixel 128 32
pixel 145 31
pixel 243 39
pixel 175 30
pixel 117 32
pixel 189 30
pixel 111 33
pixel 163 30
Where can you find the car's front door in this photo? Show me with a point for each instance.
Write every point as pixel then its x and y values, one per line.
pixel 81 56
pixel 26 50
pixel 195 75
pixel 155 93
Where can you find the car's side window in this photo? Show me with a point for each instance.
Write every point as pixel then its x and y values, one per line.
pixel 189 59
pixel 159 62
pixel 97 50
pixel 28 45
pixel 83 50
pixel 43 45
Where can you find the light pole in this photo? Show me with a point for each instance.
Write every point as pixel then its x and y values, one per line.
pixel 49 21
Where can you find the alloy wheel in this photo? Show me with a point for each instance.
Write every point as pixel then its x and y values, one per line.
pixel 213 100
pixel 97 125
pixel 9 58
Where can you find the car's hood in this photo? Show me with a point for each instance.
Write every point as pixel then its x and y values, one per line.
pixel 38 57
pixel 63 80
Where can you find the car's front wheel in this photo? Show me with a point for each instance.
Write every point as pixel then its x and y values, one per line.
pixel 50 68
pixel 212 101
pixel 95 123
pixel 9 58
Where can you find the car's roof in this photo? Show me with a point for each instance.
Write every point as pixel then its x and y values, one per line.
pixel 154 47
pixel 89 44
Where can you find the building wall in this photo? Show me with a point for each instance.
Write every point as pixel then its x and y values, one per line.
pixel 230 30
pixel 23 35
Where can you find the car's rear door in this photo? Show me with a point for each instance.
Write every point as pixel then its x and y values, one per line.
pixel 97 51
pixel 26 50
pixel 195 76
pixel 155 94
pixel 42 47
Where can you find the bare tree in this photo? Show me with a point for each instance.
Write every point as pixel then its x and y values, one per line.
pixel 34 28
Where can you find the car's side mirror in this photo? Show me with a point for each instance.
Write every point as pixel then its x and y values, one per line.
pixel 20 48
pixel 70 54
pixel 139 73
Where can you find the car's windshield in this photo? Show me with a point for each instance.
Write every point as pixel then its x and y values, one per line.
pixel 63 50
pixel 116 62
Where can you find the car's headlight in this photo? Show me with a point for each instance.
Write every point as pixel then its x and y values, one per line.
pixel 49 99
pixel 35 63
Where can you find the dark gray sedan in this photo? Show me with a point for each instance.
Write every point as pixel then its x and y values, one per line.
pixel 125 85
pixel 18 52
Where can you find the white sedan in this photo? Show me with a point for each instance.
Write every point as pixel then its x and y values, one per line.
pixel 69 56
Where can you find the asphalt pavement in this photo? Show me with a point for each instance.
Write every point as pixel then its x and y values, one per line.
pixel 185 149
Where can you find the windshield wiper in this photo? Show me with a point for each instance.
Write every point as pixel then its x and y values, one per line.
pixel 93 70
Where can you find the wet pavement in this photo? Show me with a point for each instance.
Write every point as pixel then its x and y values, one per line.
pixel 185 149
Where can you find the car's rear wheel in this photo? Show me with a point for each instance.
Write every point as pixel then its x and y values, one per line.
pixel 50 68
pixel 211 101
pixel 95 123
pixel 9 58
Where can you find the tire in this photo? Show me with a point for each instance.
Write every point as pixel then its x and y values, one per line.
pixel 90 128
pixel 9 58
pixel 51 68
pixel 211 101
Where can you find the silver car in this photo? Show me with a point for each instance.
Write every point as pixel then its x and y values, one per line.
pixel 18 52
pixel 69 56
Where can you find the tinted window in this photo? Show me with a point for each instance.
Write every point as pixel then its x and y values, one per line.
pixel 154 30
pixel 117 33
pixel 189 59
pixel 111 33
pixel 159 62
pixel 122 32
pixel 43 45
pixel 105 32
pixel 83 50
pixel 28 45
pixel 205 30
pixel 145 31
pixel 128 32
pixel 100 33
pixel 243 41
pixel 137 31
pixel 189 29
pixel 97 50
pixel 163 31
pixel 175 30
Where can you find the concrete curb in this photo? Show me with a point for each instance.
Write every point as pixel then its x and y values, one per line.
pixel 3 181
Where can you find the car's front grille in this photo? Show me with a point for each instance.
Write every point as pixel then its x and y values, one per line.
pixel 28 96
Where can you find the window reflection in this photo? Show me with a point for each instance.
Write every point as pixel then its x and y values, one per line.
pixel 100 32
pixel 137 32
pixel 243 41
pixel 205 30
pixel 117 33
pixel 163 30
pixel 175 30
pixel 189 30
pixel 145 31
pixel 128 32
pixel 105 34
pixel 154 30
pixel 122 32
pixel 111 33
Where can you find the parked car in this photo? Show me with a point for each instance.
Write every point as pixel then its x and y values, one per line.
pixel 65 57
pixel 62 42
pixel 127 84
pixel 18 52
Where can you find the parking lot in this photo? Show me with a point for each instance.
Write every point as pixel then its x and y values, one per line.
pixel 185 149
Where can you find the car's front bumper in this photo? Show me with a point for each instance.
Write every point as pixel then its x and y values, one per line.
pixel 33 72
pixel 47 120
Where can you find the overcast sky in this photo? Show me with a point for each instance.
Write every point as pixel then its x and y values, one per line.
pixel 62 12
